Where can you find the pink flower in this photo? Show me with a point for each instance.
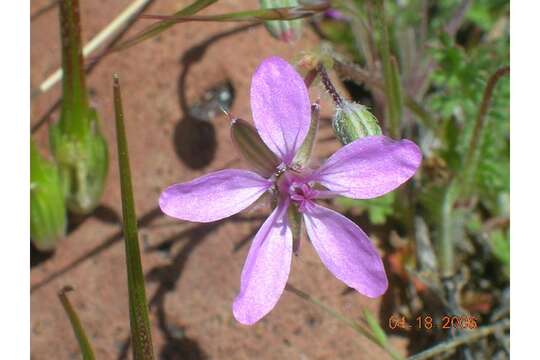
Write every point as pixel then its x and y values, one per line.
pixel 364 169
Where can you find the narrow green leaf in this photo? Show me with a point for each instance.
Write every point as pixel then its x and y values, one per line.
pixel 141 336
pixel 378 332
pixel 161 26
pixel 284 13
pixel 84 344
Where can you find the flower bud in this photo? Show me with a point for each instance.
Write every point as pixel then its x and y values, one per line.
pixel 82 160
pixel 353 121
pixel 47 208
pixel 253 149
pixel 285 30
pixel 76 143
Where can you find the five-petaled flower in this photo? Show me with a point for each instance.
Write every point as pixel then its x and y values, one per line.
pixel 364 169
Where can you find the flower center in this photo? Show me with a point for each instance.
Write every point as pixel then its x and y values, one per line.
pixel 299 191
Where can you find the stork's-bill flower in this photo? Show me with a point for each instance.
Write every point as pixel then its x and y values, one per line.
pixel 366 168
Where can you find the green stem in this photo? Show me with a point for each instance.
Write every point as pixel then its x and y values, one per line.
pixel 460 184
pixel 392 83
pixel 74 113
pixel 445 241
pixel 141 336
pixel 473 150
pixel 157 28
pixel 84 344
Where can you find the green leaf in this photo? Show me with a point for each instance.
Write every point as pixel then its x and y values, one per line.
pixel 500 248
pixel 84 344
pixel 156 29
pixel 378 209
pixel 141 336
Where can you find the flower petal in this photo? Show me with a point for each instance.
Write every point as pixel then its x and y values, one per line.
pixel 345 250
pixel 214 196
pixel 280 107
pixel 266 269
pixel 369 167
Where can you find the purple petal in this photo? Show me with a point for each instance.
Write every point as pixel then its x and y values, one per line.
pixel 369 167
pixel 266 269
pixel 214 196
pixel 280 107
pixel 345 250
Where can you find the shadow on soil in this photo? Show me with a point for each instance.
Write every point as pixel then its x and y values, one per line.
pixel 195 135
pixel 178 345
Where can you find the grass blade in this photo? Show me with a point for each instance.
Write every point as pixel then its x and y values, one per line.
pixel 161 26
pixel 84 344
pixel 141 336
pixel 284 13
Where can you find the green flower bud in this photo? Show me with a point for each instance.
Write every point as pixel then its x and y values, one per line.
pixel 353 121
pixel 47 208
pixel 285 30
pixel 250 145
pixel 76 142
pixel 82 164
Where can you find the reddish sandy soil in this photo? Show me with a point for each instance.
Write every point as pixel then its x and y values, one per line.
pixel 193 270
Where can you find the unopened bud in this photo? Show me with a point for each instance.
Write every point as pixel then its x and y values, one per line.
pixel 47 208
pixel 252 148
pixel 353 121
pixel 285 30
pixel 82 163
